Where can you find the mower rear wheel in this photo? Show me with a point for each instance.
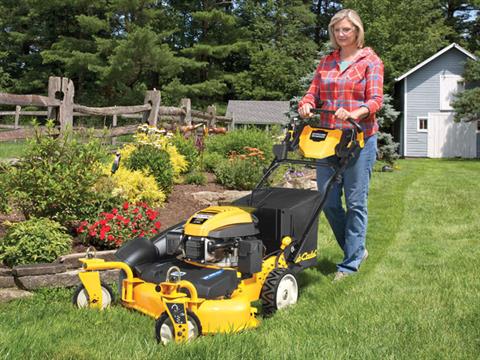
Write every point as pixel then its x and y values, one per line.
pixel 279 290
pixel 165 332
pixel 81 299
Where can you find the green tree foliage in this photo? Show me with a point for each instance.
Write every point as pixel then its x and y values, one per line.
pixel 208 50
pixel 467 103
pixel 281 50
pixel 208 42
pixel 402 32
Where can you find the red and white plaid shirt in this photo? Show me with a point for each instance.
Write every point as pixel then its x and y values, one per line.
pixel 360 84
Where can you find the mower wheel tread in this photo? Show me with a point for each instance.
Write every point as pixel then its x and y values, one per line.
pixel 270 288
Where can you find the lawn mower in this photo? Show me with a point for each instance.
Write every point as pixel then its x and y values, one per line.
pixel 202 275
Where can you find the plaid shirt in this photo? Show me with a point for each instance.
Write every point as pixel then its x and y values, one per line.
pixel 360 84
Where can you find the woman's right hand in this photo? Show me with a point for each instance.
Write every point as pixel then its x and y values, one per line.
pixel 305 110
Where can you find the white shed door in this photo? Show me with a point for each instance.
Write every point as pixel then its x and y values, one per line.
pixel 447 138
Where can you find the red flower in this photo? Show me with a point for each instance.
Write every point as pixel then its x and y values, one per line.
pixel 108 217
pixel 157 225
pixel 110 237
pixel 125 205
pixel 136 210
pixel 153 231
pixel 115 211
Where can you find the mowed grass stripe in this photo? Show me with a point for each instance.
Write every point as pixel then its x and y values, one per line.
pixel 416 296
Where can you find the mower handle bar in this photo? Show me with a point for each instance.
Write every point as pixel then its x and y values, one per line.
pixel 332 112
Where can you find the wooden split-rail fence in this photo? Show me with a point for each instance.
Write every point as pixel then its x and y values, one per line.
pixel 61 107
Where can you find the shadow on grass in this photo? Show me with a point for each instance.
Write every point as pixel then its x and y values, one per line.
pixel 326 266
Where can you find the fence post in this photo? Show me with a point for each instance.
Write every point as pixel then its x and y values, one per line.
pixel 54 87
pixel 18 108
pixel 114 124
pixel 154 98
pixel 186 104
pixel 212 111
pixel 65 115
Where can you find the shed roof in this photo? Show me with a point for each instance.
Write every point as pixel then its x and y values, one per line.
pixel 434 56
pixel 258 112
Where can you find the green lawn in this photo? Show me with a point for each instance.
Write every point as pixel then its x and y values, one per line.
pixel 11 149
pixel 417 296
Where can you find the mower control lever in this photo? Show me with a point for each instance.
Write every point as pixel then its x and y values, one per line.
pixel 350 120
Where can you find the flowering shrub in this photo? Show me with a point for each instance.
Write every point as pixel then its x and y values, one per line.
pixel 162 140
pixel 241 171
pixel 120 225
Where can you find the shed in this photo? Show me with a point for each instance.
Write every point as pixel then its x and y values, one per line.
pixel 252 112
pixel 425 92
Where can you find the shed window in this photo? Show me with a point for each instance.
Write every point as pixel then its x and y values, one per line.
pixel 422 124
pixel 449 86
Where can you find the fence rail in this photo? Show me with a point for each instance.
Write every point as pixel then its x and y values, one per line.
pixel 64 110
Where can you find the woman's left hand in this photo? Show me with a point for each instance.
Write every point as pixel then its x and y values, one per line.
pixel 343 114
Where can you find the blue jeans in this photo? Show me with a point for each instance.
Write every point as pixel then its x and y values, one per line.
pixel 349 226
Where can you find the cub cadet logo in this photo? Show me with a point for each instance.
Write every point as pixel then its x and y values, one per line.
pixel 306 256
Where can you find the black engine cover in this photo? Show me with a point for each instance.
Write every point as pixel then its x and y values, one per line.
pixel 210 283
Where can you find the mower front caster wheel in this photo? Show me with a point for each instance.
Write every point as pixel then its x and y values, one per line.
pixel 279 291
pixel 165 332
pixel 81 299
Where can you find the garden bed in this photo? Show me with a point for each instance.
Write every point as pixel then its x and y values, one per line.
pixel 181 205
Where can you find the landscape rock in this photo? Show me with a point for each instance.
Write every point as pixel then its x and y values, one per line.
pixel 7 281
pixel 5 271
pixel 38 269
pixel 68 278
pixel 13 294
pixel 210 198
pixel 71 261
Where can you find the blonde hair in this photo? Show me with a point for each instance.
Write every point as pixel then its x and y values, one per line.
pixel 354 18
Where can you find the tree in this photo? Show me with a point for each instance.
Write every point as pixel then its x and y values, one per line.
pixel 462 16
pixel 402 32
pixel 281 51
pixel 116 51
pixel 466 103
pixel 208 42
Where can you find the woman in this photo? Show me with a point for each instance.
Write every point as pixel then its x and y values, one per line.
pixel 350 81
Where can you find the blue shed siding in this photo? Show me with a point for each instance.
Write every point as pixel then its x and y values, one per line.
pixel 423 96
pixel 478 145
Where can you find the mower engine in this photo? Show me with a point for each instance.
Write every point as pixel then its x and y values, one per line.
pixel 223 236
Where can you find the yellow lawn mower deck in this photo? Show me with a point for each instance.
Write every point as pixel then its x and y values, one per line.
pixel 202 275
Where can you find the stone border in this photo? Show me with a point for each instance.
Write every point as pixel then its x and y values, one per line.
pixel 16 282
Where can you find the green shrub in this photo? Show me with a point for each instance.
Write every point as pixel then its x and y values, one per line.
pixel 34 241
pixel 236 141
pixel 56 178
pixel 153 161
pixel 187 148
pixel 196 177
pixel 211 160
pixel 239 173
pixel 4 203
